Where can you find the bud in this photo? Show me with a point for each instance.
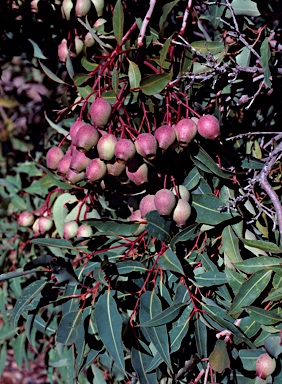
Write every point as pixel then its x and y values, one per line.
pixel 95 170
pixel 137 171
pixel 44 224
pixel 181 212
pixel 165 201
pixel 265 365
pixel 181 191
pixel 124 150
pixel 79 161
pixel 35 227
pixel 100 112
pixel 75 127
pixel 67 6
pixel 82 7
pixel 86 138
pixel 78 45
pixel 165 136
pixel 106 147
pixel 63 50
pixel 26 219
pixel 64 164
pixel 115 169
pixel 70 230
pixel 208 127
pixel 73 177
pixel 84 230
pixel 99 6
pixel 89 40
pixel 147 204
pixel 53 156
pixel 185 130
pixel 146 145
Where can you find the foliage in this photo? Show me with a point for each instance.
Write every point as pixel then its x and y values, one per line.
pixel 148 300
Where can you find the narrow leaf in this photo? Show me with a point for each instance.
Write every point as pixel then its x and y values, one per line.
pixel 158 227
pixel 68 327
pixel 262 316
pixel 51 74
pixel 134 75
pixel 118 21
pixel 36 50
pixel 169 261
pixel 165 316
pixel 154 84
pixel 186 234
pixel 49 242
pixel 141 361
pixel 255 264
pixel 209 209
pixel 266 246
pixel 219 358
pixel 230 245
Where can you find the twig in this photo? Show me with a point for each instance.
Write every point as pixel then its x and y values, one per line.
pixel 251 134
pixel 185 18
pixel 146 22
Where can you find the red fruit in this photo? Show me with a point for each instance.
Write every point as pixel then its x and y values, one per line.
pixel 124 150
pixel 73 177
pixel 82 7
pixel 79 161
pixel 106 147
pixel 181 191
pixel 100 112
pixel 146 145
pixel 64 164
pixel 165 201
pixel 137 172
pixel 165 136
pixel 181 212
pixel 115 169
pixel 53 156
pixel 75 127
pixel 208 127
pixel 70 230
pixel 86 138
pixel 185 130
pixel 26 219
pixel 95 170
pixel 265 365
pixel 147 204
pixel 44 224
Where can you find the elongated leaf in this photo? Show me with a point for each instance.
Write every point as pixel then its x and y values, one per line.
pixel 192 179
pixel 230 245
pixel 68 327
pixel 262 316
pixel 151 307
pixel 209 209
pixel 234 279
pixel 36 50
pixel 93 34
pixel 266 246
pixel 49 242
pixel 158 227
pixel 207 279
pixel 164 51
pixel 109 324
pixel 80 78
pixel 113 227
pixel 186 234
pixel 154 84
pixel 57 127
pixel 167 8
pixel 126 267
pixel 165 316
pixel 244 7
pixel 141 361
pixel 60 210
pixel 250 291
pixel 219 358
pixel 265 56
pixel 134 75
pixel 273 296
pixel 201 338
pixel 169 261
pixel 29 293
pixel 208 47
pixel 51 74
pixel 273 346
pixel 255 264
pixel 178 332
pixel 118 21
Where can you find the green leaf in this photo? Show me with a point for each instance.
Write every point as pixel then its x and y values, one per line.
pixel 154 84
pixel 141 361
pixel 113 227
pixel 158 227
pixel 255 264
pixel 273 346
pixel 250 291
pixel 57 127
pixel 262 316
pixel 150 306
pixel 244 7
pixel 209 209
pixel 80 78
pixel 249 358
pixel 201 338
pixel 165 316
pixel 186 234
pixel 207 161
pixel 93 34
pixel 167 8
pixel 208 47
pixel 49 242
pixel 60 211
pixel 219 358
pixel 29 293
pixel 51 74
pixel 207 279
pixel 118 21
pixel 234 279
pixel 68 327
pixel 134 75
pixel 244 57
pixel 192 179
pixel 169 262
pixel 230 245
pixel 213 14
pixel 179 330
pixel 88 65
pixel 36 50
pixel 126 267
pixel 164 51
pixel 265 56
pixel 109 324
pixel 266 246
pixel 85 92
pixel 273 296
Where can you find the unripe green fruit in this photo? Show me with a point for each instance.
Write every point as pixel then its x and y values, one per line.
pixel 89 40
pixel 53 156
pixel 44 224
pixel 100 112
pixel 181 212
pixel 146 145
pixel 185 130
pixel 64 164
pixel 208 127
pixel 79 161
pixel 35 227
pixel 95 170
pixel 86 138
pixel 265 365
pixel 82 7
pixel 124 150
pixel 147 204
pixel 106 147
pixel 165 136
pixel 181 191
pixel 70 230
pixel 165 201
pixel 78 44
pixel 84 230
pixel 26 219
pixel 67 6
pixel 99 6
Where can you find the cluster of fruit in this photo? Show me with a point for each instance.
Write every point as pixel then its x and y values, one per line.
pixel 94 153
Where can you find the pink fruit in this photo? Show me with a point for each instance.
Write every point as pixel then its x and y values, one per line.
pixel 265 365
pixel 95 170
pixel 26 219
pixel 44 224
pixel 35 227
pixel 84 230
pixel 63 50
pixel 100 112
pixel 115 169
pixel 185 130
pixel 181 192
pixel 137 172
pixel 86 138
pixel 82 7
pixel 75 127
pixel 106 147
pixel 146 145
pixel 67 6
pixel 165 201
pixel 124 150
pixel 70 230
pixel 53 156
pixel 73 177
pixel 79 161
pixel 165 136
pixel 147 204
pixel 181 212
pixel 64 164
pixel 208 127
